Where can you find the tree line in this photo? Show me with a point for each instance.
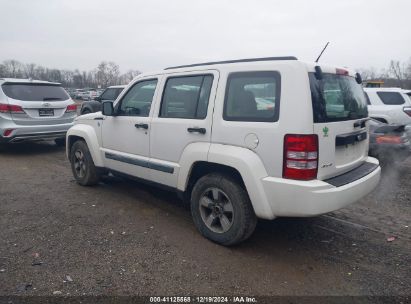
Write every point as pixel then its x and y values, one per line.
pixel 397 74
pixel 105 74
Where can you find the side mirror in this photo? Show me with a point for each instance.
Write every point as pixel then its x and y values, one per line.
pixel 98 98
pixel 108 109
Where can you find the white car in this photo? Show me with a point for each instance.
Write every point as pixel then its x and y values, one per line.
pixel 389 105
pixel 241 139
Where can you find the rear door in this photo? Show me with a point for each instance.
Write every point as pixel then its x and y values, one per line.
pixel 184 117
pixel 43 104
pixel 340 114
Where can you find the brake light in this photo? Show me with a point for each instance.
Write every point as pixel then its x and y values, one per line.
pixel 407 110
pixel 389 139
pixel 11 109
pixel 7 132
pixel 341 72
pixel 300 156
pixel 71 108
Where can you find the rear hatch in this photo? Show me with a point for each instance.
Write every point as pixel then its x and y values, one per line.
pixel 340 122
pixel 41 103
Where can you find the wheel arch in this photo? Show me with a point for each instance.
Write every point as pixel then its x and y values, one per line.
pixel 86 133
pixel 242 164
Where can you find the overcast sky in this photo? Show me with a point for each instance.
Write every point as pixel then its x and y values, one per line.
pixel 153 34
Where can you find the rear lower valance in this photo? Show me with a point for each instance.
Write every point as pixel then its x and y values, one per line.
pixel 353 175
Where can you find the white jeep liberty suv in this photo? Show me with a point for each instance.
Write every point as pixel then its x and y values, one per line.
pixel 241 139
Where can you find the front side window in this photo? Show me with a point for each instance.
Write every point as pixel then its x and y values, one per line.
pixel 391 98
pixel 35 92
pixel 252 96
pixel 137 101
pixel 186 97
pixel 337 98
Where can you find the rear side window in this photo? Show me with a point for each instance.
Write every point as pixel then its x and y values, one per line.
pixel 337 98
pixel 186 97
pixel 391 98
pixel 252 96
pixel 34 92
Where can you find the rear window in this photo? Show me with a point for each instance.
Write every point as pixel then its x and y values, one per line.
pixel 391 98
pixel 34 92
pixel 337 98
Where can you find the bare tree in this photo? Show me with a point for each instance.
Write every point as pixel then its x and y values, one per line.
pixel 13 68
pixel 107 73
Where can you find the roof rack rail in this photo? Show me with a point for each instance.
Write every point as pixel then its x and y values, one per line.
pixel 234 61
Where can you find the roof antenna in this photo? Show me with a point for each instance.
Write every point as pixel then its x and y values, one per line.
pixel 322 52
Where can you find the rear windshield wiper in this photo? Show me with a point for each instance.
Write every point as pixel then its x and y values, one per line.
pixel 51 98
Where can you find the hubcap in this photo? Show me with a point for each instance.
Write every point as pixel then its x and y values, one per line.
pixel 79 164
pixel 216 210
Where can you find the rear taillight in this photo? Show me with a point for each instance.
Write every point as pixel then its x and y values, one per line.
pixel 407 110
pixel 9 108
pixel 389 139
pixel 300 156
pixel 71 108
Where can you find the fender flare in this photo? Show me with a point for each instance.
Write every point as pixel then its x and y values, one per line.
pixel 245 161
pixel 87 133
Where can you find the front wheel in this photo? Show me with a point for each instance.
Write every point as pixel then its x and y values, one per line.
pixel 82 165
pixel 222 210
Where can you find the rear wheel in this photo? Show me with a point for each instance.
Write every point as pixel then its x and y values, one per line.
pixel 82 165
pixel 222 210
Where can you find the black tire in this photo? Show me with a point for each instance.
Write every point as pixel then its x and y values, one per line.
pixel 82 165
pixel 243 219
pixel 61 142
pixel 85 111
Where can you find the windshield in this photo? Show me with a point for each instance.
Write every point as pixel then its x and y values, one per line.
pixel 34 92
pixel 337 98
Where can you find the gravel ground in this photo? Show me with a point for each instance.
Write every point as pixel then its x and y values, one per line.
pixel 126 238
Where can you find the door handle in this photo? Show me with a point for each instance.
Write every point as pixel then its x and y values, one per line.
pixel 141 126
pixel 197 130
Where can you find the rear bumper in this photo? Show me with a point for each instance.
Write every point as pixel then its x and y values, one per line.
pixel 34 133
pixel 310 198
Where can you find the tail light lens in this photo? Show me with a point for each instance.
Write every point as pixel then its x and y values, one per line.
pixel 71 108
pixel 389 139
pixel 300 156
pixel 407 110
pixel 11 109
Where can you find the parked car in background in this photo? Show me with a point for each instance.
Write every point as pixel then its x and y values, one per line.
pixel 109 94
pixel 214 133
pixel 389 142
pixel 34 110
pixel 389 105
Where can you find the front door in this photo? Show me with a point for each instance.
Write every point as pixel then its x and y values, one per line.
pixel 125 136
